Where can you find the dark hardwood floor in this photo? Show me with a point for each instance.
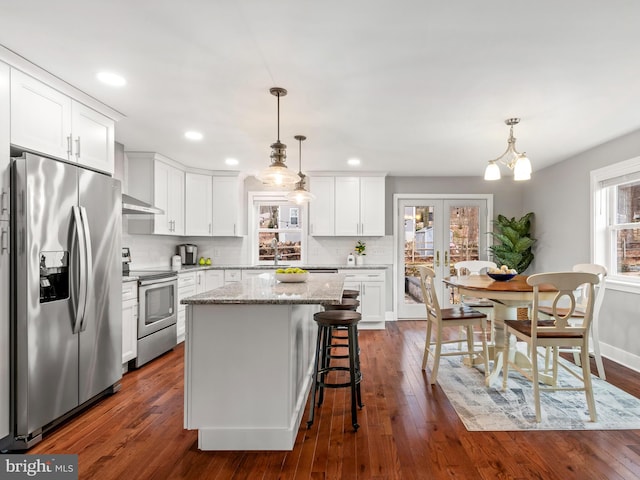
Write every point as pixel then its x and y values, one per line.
pixel 409 430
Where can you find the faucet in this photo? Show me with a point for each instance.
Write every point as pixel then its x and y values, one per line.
pixel 276 256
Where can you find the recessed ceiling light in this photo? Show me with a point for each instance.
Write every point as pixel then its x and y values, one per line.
pixel 112 79
pixel 193 135
pixel 231 161
pixel 354 162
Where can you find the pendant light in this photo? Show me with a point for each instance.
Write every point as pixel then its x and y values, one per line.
pixel 516 161
pixel 300 195
pixel 277 174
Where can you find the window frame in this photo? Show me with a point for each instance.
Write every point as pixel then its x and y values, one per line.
pixel 257 199
pixel 603 230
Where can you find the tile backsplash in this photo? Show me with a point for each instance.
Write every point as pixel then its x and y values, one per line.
pixel 156 250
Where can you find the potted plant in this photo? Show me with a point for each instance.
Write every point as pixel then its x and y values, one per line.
pixel 514 249
pixel 360 248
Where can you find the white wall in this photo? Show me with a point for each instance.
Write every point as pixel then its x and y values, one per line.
pixel 559 197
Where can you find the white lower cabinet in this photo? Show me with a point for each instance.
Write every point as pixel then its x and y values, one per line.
pixel 231 276
pixel 213 279
pixel 208 280
pixel 255 272
pixel 187 287
pixel 129 321
pixel 371 285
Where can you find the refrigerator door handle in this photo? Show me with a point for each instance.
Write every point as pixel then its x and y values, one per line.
pixel 88 279
pixel 79 301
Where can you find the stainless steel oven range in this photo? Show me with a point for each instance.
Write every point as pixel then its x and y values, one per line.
pixel 157 313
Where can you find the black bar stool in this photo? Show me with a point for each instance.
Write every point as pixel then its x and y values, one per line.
pixel 345 304
pixel 327 321
pixel 347 293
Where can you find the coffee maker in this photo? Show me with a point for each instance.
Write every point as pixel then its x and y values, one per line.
pixel 188 253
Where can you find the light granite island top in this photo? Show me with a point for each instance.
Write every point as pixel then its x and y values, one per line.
pixel 249 349
pixel 320 288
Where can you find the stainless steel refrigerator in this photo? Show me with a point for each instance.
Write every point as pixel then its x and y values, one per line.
pixel 66 291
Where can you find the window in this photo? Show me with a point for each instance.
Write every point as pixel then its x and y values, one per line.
pixel 294 215
pixel 277 229
pixel 616 220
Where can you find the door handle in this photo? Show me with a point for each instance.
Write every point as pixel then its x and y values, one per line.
pixel 3 202
pixel 79 294
pixel 78 147
pixel 69 149
pixel 4 241
pixel 438 258
pixel 88 265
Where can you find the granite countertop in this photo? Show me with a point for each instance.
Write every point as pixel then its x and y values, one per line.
pixel 129 278
pixel 320 288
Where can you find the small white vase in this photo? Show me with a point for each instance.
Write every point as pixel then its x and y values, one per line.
pixel 359 259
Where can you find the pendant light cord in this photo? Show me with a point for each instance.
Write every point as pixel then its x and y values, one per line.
pixel 278 96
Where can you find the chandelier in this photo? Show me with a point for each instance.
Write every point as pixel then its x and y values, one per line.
pixel 300 194
pixel 516 161
pixel 277 173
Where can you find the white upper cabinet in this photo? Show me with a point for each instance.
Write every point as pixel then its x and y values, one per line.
pixel 198 205
pixel 227 206
pixel 93 138
pixel 155 180
pixel 372 206
pixel 322 208
pixel 348 206
pixel 194 203
pixel 49 122
pixel 40 116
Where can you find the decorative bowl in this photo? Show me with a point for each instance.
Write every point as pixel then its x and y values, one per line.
pixel 501 277
pixel 292 277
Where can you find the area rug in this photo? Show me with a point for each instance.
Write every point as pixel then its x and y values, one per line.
pixel 484 408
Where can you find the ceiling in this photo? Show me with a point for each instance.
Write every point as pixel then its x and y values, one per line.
pixel 411 87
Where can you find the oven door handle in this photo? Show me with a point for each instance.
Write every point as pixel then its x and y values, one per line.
pixel 156 281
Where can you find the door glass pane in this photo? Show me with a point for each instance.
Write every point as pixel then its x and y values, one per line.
pixel 463 235
pixel 464 242
pixel 418 248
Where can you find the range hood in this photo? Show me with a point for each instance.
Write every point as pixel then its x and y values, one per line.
pixel 133 206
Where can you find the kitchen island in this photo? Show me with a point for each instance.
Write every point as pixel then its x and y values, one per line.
pixel 248 360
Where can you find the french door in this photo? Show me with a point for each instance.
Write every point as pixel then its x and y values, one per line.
pixel 436 231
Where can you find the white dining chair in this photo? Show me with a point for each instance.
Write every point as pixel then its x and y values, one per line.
pixel 556 332
pixel 477 267
pixel 578 315
pixel 438 319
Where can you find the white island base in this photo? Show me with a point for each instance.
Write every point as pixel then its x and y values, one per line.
pixel 248 372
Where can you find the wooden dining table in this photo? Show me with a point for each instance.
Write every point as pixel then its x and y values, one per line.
pixel 504 295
